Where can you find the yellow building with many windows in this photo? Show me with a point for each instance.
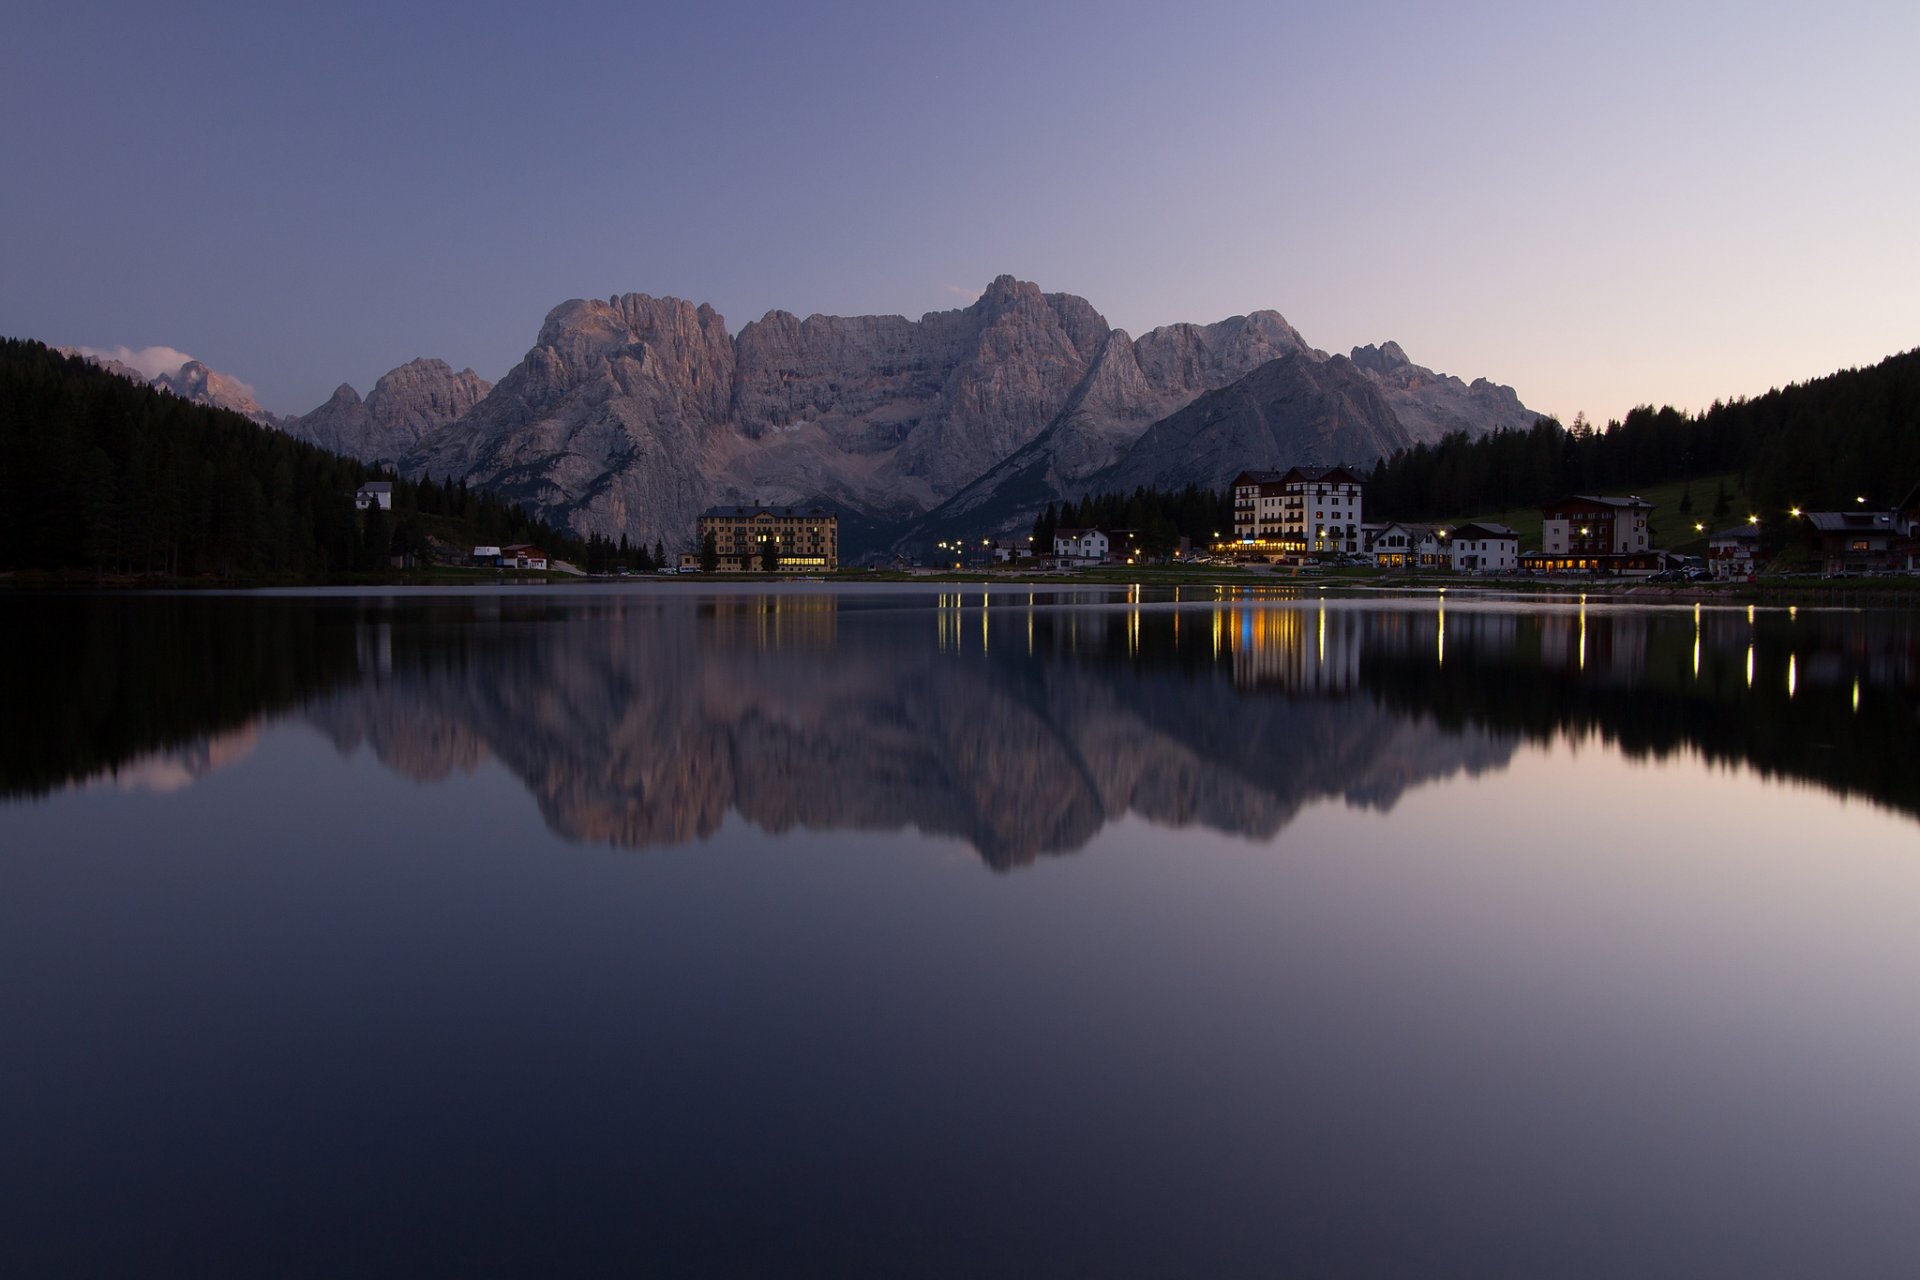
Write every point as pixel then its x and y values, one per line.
pixel 803 539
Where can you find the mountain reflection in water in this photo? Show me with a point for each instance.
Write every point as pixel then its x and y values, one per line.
pixel 1022 723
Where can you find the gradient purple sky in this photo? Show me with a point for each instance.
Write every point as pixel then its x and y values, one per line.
pixel 1631 203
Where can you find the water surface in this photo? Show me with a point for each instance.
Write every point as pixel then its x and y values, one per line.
pixel 900 933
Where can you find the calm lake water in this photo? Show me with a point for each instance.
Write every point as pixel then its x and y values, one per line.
pixel 893 933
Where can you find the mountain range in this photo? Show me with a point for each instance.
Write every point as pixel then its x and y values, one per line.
pixel 630 415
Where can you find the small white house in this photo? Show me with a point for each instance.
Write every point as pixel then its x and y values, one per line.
pixel 1080 544
pixel 486 555
pixel 1484 548
pixel 374 492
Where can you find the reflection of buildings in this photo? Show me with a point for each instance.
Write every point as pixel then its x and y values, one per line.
pixel 1601 644
pixel 1298 650
pixel 771 622
pixel 1019 722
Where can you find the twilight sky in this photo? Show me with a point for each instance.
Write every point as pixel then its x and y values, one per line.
pixel 1634 203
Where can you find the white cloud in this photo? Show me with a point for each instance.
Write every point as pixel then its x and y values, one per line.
pixel 151 361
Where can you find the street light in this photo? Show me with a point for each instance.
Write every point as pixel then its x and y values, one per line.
pixel 1794 512
pixel 1753 519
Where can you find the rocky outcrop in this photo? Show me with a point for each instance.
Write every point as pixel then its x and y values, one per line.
pixel 190 380
pixel 630 415
pixel 406 404
pixel 1294 410
pixel 1432 405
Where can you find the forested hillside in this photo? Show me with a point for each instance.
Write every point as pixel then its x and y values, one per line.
pixel 1814 445
pixel 102 475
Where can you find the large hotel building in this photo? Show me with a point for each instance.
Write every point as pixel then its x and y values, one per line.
pixel 804 539
pixel 1304 511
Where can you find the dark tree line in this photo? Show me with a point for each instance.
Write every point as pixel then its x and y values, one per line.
pixel 1817 444
pixel 1160 517
pixel 99 474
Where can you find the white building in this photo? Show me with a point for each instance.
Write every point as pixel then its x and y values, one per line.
pixel 1484 548
pixel 1307 510
pixel 374 492
pixel 1407 546
pixel 1080 544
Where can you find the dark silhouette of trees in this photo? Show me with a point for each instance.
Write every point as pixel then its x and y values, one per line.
pixel 1814 444
pixel 103 475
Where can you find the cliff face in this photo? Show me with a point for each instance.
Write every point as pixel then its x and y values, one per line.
pixel 1295 410
pixel 630 415
pixel 405 404
pixel 1431 405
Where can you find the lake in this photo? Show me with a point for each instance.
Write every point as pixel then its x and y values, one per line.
pixel 673 930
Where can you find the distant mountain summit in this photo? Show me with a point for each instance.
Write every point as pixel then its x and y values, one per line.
pixel 631 414
pixel 405 404
pixel 1431 405
pixel 190 380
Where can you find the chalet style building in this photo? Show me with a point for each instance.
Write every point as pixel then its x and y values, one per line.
pixel 804 539
pixel 1861 541
pixel 1484 548
pixel 1595 535
pixel 1305 511
pixel 1396 545
pixel 1081 544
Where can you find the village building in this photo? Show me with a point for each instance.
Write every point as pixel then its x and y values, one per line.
pixel 1860 541
pixel 1595 535
pixel 522 555
pixel 1484 548
pixel 1081 544
pixel 1733 555
pixel 1303 511
pixel 1396 545
pixel 804 539
pixel 374 493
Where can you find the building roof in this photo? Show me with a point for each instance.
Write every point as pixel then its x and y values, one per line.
pixel 739 513
pixel 1738 533
pixel 1320 475
pixel 1853 521
pixel 377 486
pixel 1484 532
pixel 1256 477
pixel 1630 502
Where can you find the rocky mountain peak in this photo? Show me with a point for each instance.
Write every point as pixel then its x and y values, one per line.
pixel 1380 359
pixel 405 404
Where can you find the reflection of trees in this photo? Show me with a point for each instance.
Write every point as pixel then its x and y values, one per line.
pixel 93 683
pixel 1022 727
pixel 1020 730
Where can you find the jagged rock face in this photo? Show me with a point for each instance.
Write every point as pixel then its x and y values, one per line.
pixel 196 382
pixel 407 403
pixel 631 415
pixel 193 381
pixel 608 422
pixel 1130 385
pixel 1294 410
pixel 1432 405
